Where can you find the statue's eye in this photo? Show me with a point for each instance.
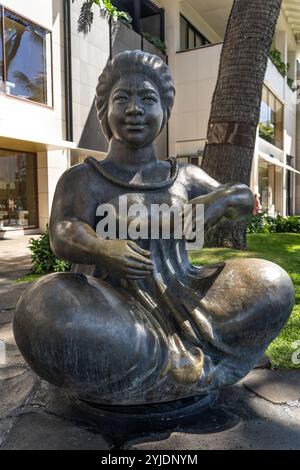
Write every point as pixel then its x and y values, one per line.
pixel 120 99
pixel 150 99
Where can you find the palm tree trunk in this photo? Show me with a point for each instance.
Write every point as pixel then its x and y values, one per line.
pixel 236 103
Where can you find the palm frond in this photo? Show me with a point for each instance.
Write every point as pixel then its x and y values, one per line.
pixel 106 9
pixel 86 17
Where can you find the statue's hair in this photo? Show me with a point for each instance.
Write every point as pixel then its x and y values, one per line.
pixel 134 62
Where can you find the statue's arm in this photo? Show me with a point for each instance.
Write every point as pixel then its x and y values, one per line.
pixel 73 212
pixel 221 202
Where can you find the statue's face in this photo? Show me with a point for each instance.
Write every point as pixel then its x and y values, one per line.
pixel 135 113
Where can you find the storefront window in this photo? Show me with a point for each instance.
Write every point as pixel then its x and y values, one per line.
pixel 271 119
pixel 18 189
pixel 27 52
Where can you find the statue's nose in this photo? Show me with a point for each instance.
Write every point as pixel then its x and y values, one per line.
pixel 134 109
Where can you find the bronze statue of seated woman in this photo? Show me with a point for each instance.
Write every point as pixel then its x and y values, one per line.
pixel 135 322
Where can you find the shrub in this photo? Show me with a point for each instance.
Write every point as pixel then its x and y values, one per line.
pixel 287 224
pixel 275 56
pixel 43 259
pixel 262 223
pixel 258 224
pixel 156 42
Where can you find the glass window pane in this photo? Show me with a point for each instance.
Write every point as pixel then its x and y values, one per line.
pixel 18 189
pixel 183 34
pixel 27 48
pixel 199 40
pixel 272 105
pixel 265 113
pixel 271 118
pixel 191 43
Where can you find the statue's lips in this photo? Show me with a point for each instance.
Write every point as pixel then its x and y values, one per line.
pixel 134 126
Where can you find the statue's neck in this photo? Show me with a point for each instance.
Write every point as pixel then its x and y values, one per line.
pixel 130 159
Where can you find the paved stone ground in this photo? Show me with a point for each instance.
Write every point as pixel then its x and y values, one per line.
pixel 261 412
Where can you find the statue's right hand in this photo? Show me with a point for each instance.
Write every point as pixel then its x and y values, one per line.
pixel 124 258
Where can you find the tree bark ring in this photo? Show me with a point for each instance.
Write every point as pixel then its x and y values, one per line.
pixel 234 133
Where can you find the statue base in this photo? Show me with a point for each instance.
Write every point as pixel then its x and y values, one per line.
pixel 159 417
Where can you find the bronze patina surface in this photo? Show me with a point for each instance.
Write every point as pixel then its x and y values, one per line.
pixel 135 323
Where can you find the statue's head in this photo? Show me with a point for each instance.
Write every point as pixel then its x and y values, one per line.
pixel 135 95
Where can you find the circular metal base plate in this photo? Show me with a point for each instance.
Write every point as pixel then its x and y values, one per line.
pixel 158 412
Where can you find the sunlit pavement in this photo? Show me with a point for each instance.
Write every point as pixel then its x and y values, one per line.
pixel 261 412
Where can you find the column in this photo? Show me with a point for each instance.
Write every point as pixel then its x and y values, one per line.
pixel 51 165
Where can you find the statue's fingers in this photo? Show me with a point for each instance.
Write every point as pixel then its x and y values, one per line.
pixel 138 249
pixel 136 273
pixel 140 259
pixel 139 264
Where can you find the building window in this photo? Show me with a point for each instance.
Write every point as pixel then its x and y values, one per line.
pixel 190 37
pixel 271 119
pixel 26 59
pixel 18 190
pixel 146 16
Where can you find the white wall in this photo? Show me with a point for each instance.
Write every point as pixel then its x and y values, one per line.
pixel 195 75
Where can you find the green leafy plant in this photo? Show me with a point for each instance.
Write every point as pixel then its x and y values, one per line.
pixel 262 223
pixel 258 223
pixel 267 131
pixel 43 259
pixel 107 10
pixel 157 42
pixel 275 56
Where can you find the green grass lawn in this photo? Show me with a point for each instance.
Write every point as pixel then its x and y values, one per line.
pixel 283 249
pixel 28 278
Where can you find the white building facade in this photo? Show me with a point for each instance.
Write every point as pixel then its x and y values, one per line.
pixel 48 75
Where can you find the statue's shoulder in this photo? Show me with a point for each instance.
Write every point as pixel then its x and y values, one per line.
pixel 190 171
pixel 75 175
pixel 196 180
